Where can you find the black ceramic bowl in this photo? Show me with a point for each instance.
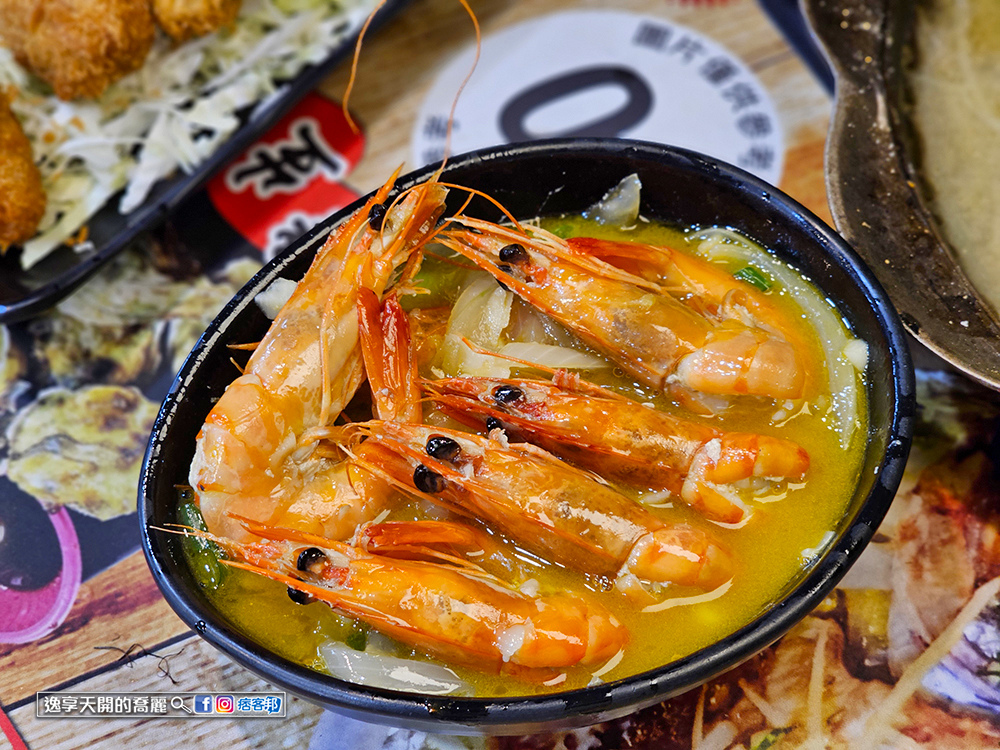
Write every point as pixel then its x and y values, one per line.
pixel 536 179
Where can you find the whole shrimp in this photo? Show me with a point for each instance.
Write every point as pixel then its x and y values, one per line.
pixel 625 440
pixel 256 455
pixel 707 287
pixel 560 512
pixel 461 615
pixel 441 541
pixel 651 334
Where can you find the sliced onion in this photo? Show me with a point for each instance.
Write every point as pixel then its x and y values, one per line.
pixel 390 672
pixel 458 360
pixel 620 205
pixel 549 355
pixel 721 737
pixel 856 350
pixel 272 299
pixel 481 312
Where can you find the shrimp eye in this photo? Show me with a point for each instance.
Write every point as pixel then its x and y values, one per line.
pixel 299 597
pixel 507 394
pixel 443 447
pixel 376 215
pixel 426 480
pixel 309 557
pixel 492 423
pixel 513 253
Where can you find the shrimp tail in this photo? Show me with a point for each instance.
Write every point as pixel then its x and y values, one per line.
pixel 680 554
pixel 736 457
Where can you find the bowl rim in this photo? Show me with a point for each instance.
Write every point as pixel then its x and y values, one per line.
pixel 608 700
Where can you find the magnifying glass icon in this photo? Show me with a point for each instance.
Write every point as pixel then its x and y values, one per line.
pixel 177 702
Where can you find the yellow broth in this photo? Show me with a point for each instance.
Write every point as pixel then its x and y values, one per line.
pixel 782 538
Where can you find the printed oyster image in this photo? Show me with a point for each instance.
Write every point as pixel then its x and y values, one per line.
pixel 82 448
pixel 74 406
pixel 125 321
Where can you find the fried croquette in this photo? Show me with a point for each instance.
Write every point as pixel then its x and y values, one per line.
pixel 184 19
pixel 78 46
pixel 22 199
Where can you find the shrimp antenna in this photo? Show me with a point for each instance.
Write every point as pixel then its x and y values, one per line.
pixel 461 88
pixel 458 215
pixel 454 104
pixel 354 66
pixel 560 375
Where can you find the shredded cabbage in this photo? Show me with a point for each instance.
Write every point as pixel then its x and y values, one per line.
pixel 554 357
pixel 171 114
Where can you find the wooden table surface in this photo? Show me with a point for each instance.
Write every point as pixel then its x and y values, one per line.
pixel 120 635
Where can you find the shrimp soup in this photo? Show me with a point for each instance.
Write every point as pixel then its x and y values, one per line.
pixel 745 471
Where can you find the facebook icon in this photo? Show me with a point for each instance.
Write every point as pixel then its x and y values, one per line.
pixel 203 704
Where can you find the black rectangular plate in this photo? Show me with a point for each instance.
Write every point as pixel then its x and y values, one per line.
pixel 26 292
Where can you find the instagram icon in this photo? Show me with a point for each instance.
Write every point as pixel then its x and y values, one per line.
pixel 224 704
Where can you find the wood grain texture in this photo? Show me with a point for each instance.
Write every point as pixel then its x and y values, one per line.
pixel 116 608
pixel 193 666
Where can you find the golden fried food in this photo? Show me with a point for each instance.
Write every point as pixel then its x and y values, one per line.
pixel 184 19
pixel 78 46
pixel 22 199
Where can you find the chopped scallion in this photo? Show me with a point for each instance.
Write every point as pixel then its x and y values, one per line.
pixel 754 277
pixel 202 554
pixel 358 637
pixel 562 229
pixel 769 740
